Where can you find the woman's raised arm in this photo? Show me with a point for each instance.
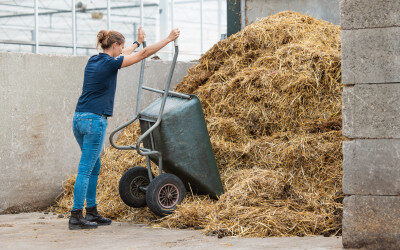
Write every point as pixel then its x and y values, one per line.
pixel 149 50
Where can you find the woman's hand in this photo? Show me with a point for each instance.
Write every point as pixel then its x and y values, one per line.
pixel 174 34
pixel 149 50
pixel 141 35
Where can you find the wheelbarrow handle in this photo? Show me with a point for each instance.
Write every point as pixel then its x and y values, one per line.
pixel 142 65
pixel 111 138
pixel 164 99
pixel 130 147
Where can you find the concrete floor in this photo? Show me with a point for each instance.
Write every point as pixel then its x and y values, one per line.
pixel 47 231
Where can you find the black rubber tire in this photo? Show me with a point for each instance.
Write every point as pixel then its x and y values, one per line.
pixel 153 191
pixel 127 193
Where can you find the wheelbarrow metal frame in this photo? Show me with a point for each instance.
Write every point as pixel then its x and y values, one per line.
pixel 165 93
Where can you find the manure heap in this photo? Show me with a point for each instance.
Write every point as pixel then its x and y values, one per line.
pixel 271 95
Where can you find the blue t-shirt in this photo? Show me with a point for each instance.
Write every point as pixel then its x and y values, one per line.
pixel 99 83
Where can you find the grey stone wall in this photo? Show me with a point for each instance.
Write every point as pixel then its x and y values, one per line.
pixel 38 95
pixel 371 108
pixel 322 9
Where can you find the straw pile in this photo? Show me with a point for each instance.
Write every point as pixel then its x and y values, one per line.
pixel 271 95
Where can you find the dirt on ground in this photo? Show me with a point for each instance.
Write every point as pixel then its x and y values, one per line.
pixel 49 231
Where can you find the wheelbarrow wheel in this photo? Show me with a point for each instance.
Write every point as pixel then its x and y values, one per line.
pixel 164 193
pixel 130 186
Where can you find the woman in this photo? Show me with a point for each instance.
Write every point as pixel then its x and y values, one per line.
pixel 90 119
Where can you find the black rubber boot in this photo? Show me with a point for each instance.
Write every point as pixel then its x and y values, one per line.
pixel 76 221
pixel 93 215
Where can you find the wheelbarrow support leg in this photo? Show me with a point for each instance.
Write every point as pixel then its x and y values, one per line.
pixel 160 164
pixel 149 168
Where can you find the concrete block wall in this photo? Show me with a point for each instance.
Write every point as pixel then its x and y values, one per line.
pixel 371 119
pixel 38 95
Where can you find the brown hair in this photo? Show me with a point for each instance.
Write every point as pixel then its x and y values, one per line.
pixel 106 38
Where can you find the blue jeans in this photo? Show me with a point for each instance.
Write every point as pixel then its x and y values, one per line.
pixel 90 131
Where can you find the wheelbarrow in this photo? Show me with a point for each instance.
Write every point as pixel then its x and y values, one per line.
pixel 175 137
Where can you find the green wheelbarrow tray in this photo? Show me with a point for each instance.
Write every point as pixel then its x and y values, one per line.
pixel 184 142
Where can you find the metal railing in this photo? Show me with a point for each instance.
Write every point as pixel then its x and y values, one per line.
pixel 40 34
